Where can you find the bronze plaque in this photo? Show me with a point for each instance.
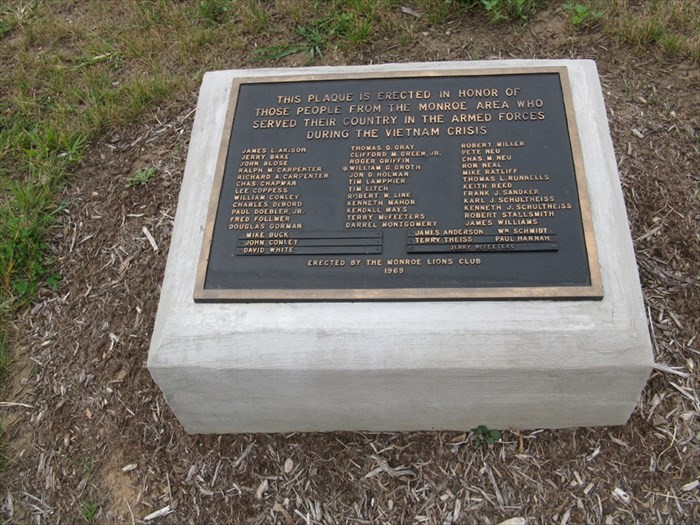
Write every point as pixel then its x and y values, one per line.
pixel 419 185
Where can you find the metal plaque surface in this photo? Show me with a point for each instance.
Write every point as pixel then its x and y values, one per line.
pixel 423 185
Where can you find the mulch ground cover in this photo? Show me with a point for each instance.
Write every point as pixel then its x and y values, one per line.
pixel 91 437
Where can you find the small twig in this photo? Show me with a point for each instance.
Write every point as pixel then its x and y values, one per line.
pixel 9 404
pixel 521 448
pixel 157 514
pixel 409 11
pixel 669 370
pixel 684 392
pixel 244 455
pixel 384 467
pixel 150 239
pixel 133 520
pixel 673 441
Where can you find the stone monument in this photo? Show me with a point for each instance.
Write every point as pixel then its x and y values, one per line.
pixel 401 247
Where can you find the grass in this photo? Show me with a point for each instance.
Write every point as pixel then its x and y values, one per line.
pixel 582 15
pixel 214 11
pixel 64 86
pixel 499 10
pixel 142 177
pixel 672 26
pixel 88 510
pixel 343 29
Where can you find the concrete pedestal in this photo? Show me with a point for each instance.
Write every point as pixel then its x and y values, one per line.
pixel 280 367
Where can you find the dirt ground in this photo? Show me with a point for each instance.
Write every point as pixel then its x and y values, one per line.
pixel 90 433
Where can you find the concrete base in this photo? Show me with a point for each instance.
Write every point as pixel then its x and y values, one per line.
pixel 280 367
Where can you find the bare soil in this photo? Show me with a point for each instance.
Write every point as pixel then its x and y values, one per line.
pixel 88 428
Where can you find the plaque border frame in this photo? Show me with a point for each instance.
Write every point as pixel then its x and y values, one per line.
pixel 594 291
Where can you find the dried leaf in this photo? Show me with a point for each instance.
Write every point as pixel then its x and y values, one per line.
pixel 157 514
pixel 690 486
pixel 150 239
pixel 262 488
pixel 287 517
pixel 409 11
pixel 621 495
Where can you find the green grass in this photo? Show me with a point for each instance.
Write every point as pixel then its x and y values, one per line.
pixel 66 87
pixel 215 11
pixel 254 17
pixel 142 177
pixel 62 87
pixel 499 10
pixel 582 15
pixel 341 28
pixel 320 26
pixel 11 17
pixel 89 510
pixel 672 26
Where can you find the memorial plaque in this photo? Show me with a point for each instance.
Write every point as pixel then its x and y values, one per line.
pixel 425 185
pixel 358 194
